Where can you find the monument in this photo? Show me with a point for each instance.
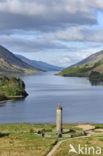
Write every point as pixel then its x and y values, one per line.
pixel 59 120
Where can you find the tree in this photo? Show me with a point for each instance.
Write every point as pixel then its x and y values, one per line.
pixel 21 83
pixel 95 76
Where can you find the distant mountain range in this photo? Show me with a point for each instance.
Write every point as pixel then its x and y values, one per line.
pixel 84 67
pixel 17 64
pixel 40 65
pixel 9 63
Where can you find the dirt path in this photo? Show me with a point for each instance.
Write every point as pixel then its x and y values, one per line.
pixel 59 143
pixel 85 127
pixel 89 129
pixel 55 147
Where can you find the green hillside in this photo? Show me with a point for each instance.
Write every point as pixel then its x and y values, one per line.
pixel 91 59
pixel 91 66
pixel 83 70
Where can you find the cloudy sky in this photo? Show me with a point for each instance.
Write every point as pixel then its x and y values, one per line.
pixel 59 32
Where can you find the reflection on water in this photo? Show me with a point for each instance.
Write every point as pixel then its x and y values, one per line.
pixel 81 101
pixel 96 83
pixel 2 104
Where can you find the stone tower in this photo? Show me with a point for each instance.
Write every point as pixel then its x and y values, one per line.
pixel 59 120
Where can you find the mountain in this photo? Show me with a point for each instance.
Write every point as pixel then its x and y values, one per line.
pixel 39 64
pixel 86 66
pixel 10 64
pixel 91 59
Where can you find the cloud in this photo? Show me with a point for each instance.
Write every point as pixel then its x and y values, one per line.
pixel 65 59
pixel 62 26
pixel 38 7
pixel 71 58
pixel 79 33
pixel 45 15
pixel 29 45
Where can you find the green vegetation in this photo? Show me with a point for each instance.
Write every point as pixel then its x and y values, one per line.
pixel 76 71
pixel 11 88
pixel 50 129
pixel 93 141
pixel 98 126
pixel 21 139
pixel 95 76
pixel 93 71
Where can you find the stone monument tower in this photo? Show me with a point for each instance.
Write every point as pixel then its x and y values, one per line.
pixel 59 120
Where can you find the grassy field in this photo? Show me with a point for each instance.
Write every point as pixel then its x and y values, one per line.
pixel 21 140
pixel 94 141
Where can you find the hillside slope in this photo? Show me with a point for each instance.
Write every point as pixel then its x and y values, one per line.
pixel 91 59
pixel 9 63
pixel 39 64
pixel 86 66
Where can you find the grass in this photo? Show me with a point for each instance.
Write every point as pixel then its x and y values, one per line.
pixel 76 71
pixel 94 141
pixel 82 70
pixel 71 126
pixel 18 139
pixel 97 131
pixel 98 126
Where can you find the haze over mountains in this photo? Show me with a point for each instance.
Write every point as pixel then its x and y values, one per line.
pixel 40 65
pixel 84 67
pixel 18 64
pixel 12 64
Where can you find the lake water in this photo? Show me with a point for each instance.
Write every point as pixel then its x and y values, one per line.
pixel 81 101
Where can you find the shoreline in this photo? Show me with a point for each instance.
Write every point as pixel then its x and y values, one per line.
pixel 51 123
pixel 4 101
pixel 12 98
